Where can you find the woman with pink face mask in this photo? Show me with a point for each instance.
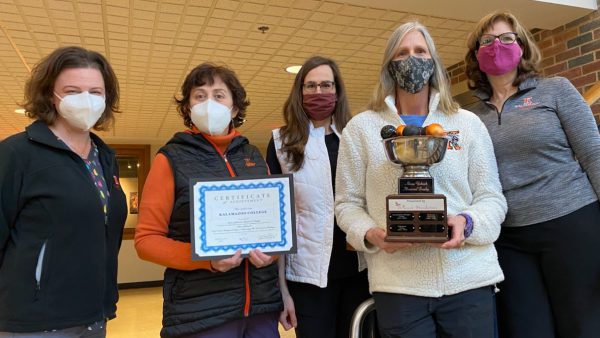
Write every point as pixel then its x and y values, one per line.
pixel 324 284
pixel 548 153
pixel 62 209
pixel 233 297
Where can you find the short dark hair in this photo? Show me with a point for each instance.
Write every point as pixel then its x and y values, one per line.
pixel 39 88
pixel 206 74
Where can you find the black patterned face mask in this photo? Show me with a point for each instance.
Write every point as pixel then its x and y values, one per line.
pixel 411 74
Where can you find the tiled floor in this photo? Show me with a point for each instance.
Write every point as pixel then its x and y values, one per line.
pixel 139 315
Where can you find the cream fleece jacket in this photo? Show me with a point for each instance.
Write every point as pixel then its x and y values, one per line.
pixel 467 176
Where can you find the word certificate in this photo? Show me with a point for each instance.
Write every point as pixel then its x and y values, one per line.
pixel 244 213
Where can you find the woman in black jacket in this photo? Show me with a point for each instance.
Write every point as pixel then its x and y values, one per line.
pixel 233 297
pixel 62 209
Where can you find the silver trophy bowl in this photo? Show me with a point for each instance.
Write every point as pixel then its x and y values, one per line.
pixel 415 153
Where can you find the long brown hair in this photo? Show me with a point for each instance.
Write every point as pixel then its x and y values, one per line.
pixel 39 88
pixel 294 134
pixel 530 61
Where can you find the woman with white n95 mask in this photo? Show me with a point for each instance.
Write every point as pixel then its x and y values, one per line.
pixel 81 110
pixel 231 297
pixel 211 117
pixel 62 209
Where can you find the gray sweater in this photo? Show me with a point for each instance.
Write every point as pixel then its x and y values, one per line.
pixel 547 148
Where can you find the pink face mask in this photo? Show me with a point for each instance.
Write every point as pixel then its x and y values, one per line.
pixel 497 58
pixel 319 106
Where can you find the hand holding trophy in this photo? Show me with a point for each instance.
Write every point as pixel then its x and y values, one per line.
pixel 416 214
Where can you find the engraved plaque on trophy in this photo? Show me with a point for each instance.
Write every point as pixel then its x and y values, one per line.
pixel 416 213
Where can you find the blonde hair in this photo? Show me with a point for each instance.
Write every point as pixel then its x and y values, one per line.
pixel 439 79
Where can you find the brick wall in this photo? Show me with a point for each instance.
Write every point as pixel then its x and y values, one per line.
pixel 571 51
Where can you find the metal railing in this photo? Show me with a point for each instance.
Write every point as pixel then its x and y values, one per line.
pixel 363 323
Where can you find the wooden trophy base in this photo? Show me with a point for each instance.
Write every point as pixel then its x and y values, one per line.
pixel 417 217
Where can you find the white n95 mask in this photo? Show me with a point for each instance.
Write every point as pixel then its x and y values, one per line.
pixel 211 117
pixel 81 110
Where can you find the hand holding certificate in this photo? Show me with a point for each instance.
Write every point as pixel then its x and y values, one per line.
pixel 242 214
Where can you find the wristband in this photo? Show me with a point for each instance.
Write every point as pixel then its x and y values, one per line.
pixel 468 226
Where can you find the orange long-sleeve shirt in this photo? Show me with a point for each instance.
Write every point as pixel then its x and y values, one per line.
pixel 158 197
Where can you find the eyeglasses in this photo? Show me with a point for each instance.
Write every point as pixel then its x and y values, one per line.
pixel 505 38
pixel 326 86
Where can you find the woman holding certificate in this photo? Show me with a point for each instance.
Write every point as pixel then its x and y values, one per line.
pixel 548 152
pixel 420 289
pixel 323 277
pixel 233 297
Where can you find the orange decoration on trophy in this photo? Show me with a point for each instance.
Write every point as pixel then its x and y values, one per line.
pixel 435 129
pixel 400 129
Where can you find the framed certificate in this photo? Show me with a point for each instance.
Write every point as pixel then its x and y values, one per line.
pixel 242 213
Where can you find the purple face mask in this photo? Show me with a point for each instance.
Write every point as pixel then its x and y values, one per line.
pixel 497 58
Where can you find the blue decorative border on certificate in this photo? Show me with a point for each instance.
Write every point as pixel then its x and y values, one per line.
pixel 223 187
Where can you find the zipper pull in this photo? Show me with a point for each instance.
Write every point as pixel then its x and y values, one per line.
pixel 499 113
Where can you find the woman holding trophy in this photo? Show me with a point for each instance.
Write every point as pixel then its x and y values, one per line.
pixel 548 152
pixel 423 289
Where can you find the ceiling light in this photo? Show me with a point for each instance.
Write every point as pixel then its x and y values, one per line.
pixel 293 69
pixel 20 111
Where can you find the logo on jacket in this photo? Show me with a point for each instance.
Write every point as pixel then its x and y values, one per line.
pixel 453 140
pixel 249 162
pixel 527 102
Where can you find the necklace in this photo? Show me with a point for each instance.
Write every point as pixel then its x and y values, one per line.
pixel 84 152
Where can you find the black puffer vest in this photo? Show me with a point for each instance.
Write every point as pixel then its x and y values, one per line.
pixel 198 300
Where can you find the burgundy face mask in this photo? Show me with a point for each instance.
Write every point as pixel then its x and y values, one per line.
pixel 319 106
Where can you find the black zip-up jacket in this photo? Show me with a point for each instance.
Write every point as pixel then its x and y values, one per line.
pixel 200 299
pixel 48 200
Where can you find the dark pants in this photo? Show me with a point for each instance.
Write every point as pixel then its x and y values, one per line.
pixel 258 326
pixel 469 314
pixel 552 271
pixel 95 330
pixel 327 312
